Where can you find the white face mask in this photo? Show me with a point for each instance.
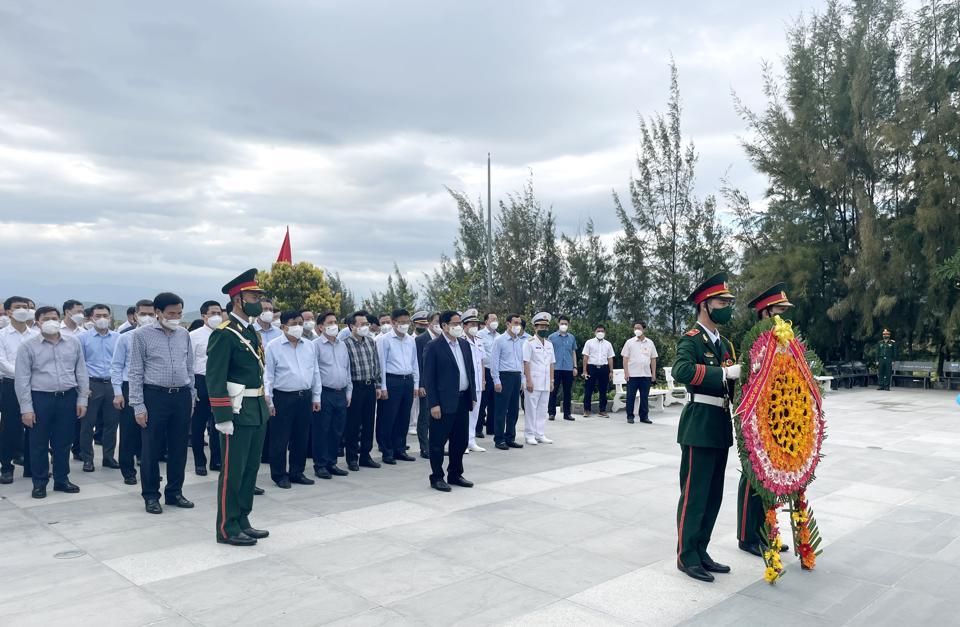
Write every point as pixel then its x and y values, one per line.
pixel 21 315
pixel 77 318
pixel 436 329
pixel 494 325
pixel 386 328
pixel 214 321
pixel 309 325
pixel 456 331
pixel 295 331
pixel 275 323
pixel 473 331
pixel 4 321
pixel 600 335
pixel 50 327
pixel 331 330
pixel 171 323
pixel 517 329
pixel 364 331
pixel 403 328
pixel 88 325
pixel 33 314
pixel 563 328
pixel 102 323
pixel 145 320
pixel 266 316
pixel 638 332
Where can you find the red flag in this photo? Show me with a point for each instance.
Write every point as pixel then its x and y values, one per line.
pixel 285 255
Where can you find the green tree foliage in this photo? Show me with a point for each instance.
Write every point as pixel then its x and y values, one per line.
pixel 299 286
pixel 398 295
pixel 348 302
pixel 589 268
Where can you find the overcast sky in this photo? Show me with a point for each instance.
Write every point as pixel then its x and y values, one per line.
pixel 165 146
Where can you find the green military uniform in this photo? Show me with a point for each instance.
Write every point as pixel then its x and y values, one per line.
pixel 705 433
pixel 750 511
pixel 235 355
pixel 887 353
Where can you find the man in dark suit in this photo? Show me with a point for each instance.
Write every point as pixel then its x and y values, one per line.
pixel 448 377
pixel 427 328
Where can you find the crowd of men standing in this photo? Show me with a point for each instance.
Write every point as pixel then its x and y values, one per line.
pixel 70 381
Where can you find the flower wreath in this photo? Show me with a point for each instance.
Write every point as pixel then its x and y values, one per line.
pixel 780 429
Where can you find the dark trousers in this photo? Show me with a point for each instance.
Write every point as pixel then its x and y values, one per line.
pixel 289 430
pixel 130 436
pixel 561 379
pixel 423 425
pixel 328 427
pixel 11 428
pixel 238 478
pixel 639 385
pixel 99 405
pixel 453 427
pixel 487 415
pixel 750 514
pixel 884 370
pixel 701 492
pixel 393 416
pixel 56 415
pixel 507 407
pixel 168 419
pixel 598 378
pixel 202 424
pixel 358 432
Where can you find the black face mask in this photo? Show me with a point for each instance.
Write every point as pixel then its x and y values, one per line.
pixel 420 330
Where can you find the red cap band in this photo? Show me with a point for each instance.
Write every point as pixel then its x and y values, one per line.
pixel 240 287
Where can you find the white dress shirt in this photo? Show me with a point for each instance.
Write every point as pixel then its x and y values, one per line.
pixel 458 356
pixel 539 354
pixel 598 351
pixel 290 368
pixel 10 341
pixel 200 337
pixel 640 352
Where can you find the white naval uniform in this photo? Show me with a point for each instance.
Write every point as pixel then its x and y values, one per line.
pixel 476 349
pixel 539 353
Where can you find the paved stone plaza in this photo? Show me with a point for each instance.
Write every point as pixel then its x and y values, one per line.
pixel 581 532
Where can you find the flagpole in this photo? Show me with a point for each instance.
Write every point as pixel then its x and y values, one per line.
pixel 489 240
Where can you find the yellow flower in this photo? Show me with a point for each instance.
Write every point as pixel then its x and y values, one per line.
pixel 770 575
pixel 795 516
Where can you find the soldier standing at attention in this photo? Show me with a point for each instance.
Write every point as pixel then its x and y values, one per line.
pixel 887 353
pixel 235 387
pixel 706 364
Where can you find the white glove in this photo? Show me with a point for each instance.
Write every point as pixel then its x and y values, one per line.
pixel 732 372
pixel 225 427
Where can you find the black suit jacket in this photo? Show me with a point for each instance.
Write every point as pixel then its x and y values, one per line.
pixel 441 377
pixel 421 342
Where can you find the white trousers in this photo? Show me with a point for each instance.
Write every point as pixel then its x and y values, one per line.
pixel 474 416
pixel 535 412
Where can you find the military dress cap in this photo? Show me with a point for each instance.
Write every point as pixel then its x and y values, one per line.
pixel 246 282
pixel 774 295
pixel 714 287
pixel 542 317
pixel 470 315
pixel 420 316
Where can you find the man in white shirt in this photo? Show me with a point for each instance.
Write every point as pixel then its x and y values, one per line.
pixel 73 318
pixel 291 381
pixel 597 369
pixel 487 336
pixel 14 439
pixel 130 322
pixel 201 423
pixel 538 363
pixel 639 369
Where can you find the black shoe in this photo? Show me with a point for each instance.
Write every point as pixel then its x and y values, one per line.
pixel 569 417
pixel 153 507
pixel 301 480
pixel 39 492
pixel 784 548
pixel 353 466
pixel 256 534
pixel 201 471
pixel 241 539
pixel 257 490
pixel 179 501
pixel 368 463
pixel 714 567
pixel 76 457
pixel 88 467
pixel 424 455
pixel 479 435
pixel 215 467
pixel 440 485
pixel 503 446
pixel 405 458
pixel 697 572
pixel 67 487
pixel 553 417
pixel 603 414
pixel 111 464
pixel 752 548
pixel 407 447
pixel 283 483
pixel 460 481
pixel 337 471
pixel 514 445
pixel 6 476
pixel 322 473
pixel 389 460
pixel 646 421
pixel 18 460
pixel 629 421
pixel 130 480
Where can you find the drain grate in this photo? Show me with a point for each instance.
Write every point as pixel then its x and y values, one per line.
pixel 69 555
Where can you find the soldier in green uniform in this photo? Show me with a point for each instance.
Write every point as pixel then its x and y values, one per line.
pixel 750 514
pixel 706 364
pixel 235 386
pixel 887 353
